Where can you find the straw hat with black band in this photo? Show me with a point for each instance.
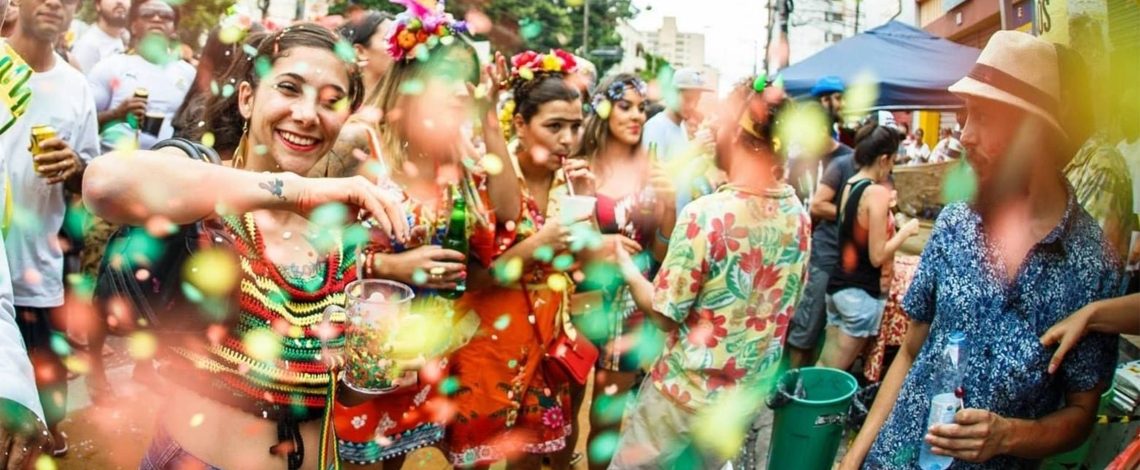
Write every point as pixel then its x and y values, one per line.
pixel 1020 70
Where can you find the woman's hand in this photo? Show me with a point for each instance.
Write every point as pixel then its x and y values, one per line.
pixel 1066 334
pixel 492 82
pixel 614 246
pixel 579 175
pixel 428 266
pixel 909 229
pixel 555 235
pixel 307 194
pixel 665 211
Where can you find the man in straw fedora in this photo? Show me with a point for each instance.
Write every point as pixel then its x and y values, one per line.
pixel 1002 269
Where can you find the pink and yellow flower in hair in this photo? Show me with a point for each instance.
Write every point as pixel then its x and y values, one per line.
pixel 422 27
pixel 524 65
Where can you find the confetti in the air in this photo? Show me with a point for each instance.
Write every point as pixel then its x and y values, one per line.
pixel 262 344
pixel 142 345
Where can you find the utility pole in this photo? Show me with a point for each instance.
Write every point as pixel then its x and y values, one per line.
pixel 768 42
pixel 858 3
pixel 585 28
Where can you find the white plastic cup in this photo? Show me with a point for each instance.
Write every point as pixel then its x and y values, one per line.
pixel 574 208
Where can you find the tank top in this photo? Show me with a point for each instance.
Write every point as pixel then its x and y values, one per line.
pixel 854 268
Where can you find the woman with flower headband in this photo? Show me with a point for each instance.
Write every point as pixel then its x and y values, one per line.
pixel 424 162
pixel 635 208
pixel 251 391
pixel 511 404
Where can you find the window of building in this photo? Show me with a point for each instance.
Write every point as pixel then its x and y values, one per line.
pixel 834 37
pixel 832 16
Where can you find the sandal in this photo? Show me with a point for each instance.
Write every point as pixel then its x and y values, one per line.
pixel 575 458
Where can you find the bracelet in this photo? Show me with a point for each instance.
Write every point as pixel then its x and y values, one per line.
pixel 662 238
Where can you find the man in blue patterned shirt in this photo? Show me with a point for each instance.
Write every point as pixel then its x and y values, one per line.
pixel 1003 269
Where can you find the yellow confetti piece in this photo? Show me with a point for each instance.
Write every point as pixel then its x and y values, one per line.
pixel 556 283
pixel 45 463
pixel 262 345
pixel 230 35
pixel 77 364
pixel 214 272
pixel 604 108
pixel 863 92
pixel 141 345
pixel 721 426
pixel 208 139
pixel 526 73
pixel 492 163
pixel 197 420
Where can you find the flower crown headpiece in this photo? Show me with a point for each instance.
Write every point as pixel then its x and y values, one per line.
pixel 603 100
pixel 420 29
pixel 525 65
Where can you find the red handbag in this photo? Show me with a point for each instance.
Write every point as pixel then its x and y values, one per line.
pixel 574 356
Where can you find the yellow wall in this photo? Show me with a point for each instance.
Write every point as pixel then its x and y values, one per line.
pixel 928 121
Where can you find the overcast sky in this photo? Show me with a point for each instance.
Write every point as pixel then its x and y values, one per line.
pixel 732 30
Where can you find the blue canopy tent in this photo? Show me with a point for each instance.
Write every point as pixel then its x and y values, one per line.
pixel 912 67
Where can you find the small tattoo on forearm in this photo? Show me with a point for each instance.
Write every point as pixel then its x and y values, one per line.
pixel 275 187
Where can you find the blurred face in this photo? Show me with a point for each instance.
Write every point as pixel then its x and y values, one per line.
pixel 432 121
pixel 113 12
pixel 154 17
pixel 552 133
pixel 628 118
pixel 374 58
pixel 297 110
pixel 987 136
pixel 690 101
pixel 46 19
pixel 918 134
pixel 833 103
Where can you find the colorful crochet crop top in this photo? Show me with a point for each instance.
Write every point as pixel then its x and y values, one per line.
pixel 275 313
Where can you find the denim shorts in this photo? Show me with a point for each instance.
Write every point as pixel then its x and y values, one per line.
pixel 164 453
pixel 855 312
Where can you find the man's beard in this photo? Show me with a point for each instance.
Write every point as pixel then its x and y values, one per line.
pixel 114 21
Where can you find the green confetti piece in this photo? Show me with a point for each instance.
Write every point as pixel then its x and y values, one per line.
pixel 529 29
pixel 262 65
pixel 355 235
pixel 59 344
pixel 961 184
pixel 345 51
pixel 544 253
pixel 608 409
pixel 503 322
pixel 261 149
pixel 419 277
pixel 227 90
pixel 449 385
pixel 329 215
pixel 249 50
pixel 511 364
pixel 563 262
pixel 155 48
pixel 412 87
pixel 192 293
pixel 214 88
pixel 603 447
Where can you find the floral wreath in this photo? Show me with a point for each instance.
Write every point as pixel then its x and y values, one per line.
pixel 525 67
pixel 420 29
pixel 603 100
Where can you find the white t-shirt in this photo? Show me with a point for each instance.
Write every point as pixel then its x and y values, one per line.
pixel 670 137
pixel 95 45
pixel 38 208
pixel 17 383
pixel 116 78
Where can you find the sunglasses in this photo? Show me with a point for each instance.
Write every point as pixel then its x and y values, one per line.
pixel 162 14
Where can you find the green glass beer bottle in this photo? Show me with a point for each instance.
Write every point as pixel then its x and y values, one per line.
pixel 456 237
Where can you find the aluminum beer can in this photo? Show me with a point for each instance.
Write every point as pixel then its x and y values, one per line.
pixel 40 134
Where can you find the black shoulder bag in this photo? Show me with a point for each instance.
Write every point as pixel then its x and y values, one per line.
pixel 145 275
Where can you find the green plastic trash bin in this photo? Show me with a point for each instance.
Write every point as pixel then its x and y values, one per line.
pixel 806 431
pixel 1076 457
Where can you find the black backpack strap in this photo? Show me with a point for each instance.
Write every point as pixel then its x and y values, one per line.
pixel 848 212
pixel 192 149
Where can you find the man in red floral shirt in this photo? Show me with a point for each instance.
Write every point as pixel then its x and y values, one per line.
pixel 725 292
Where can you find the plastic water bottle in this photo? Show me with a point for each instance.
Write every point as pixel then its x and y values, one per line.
pixel 948 395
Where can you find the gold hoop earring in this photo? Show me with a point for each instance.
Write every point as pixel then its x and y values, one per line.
pixel 239 151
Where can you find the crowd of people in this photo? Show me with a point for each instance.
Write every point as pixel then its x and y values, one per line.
pixel 303 161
